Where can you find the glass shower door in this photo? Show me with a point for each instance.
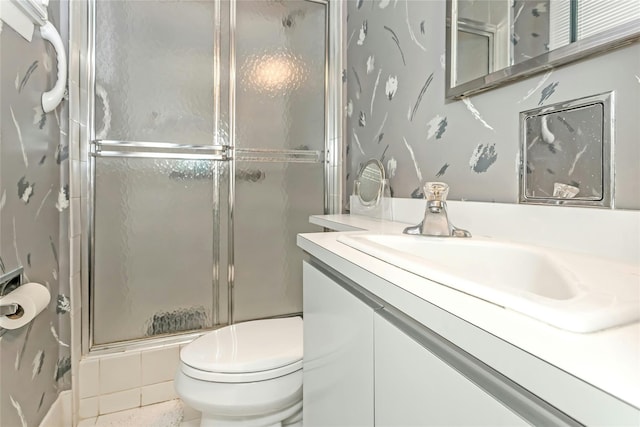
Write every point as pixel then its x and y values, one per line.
pixel 207 153
pixel 280 63
pixel 160 180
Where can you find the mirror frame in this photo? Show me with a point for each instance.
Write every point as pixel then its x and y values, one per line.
pixel 598 43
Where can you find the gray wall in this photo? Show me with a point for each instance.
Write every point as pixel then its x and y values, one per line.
pixel 34 360
pixel 398 111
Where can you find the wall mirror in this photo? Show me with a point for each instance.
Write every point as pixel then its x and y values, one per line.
pixel 492 42
pixel 566 153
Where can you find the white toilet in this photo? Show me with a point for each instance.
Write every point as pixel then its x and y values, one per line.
pixel 247 374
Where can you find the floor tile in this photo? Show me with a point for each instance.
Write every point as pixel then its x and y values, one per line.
pixel 165 414
pixel 89 422
pixel 190 413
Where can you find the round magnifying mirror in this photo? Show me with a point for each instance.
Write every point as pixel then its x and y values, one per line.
pixel 370 182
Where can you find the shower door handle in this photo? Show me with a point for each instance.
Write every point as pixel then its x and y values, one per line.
pixel 159 150
pixel 250 175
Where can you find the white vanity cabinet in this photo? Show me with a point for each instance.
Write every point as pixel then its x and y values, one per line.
pixel 338 354
pixel 413 387
pixel 355 361
pixel 367 362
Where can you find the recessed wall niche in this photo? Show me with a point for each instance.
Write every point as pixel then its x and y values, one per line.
pixel 566 152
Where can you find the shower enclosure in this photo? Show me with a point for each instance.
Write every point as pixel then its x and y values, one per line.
pixel 212 138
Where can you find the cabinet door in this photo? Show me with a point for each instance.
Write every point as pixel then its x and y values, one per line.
pixel 415 388
pixel 338 354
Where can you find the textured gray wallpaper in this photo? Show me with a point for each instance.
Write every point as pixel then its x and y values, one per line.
pixel 34 200
pixel 397 111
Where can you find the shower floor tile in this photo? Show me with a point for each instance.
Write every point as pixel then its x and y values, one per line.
pixel 173 413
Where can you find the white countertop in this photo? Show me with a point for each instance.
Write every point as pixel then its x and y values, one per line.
pixel 608 360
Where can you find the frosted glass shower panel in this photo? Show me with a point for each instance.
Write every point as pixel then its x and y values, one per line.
pixel 155 71
pixel 280 60
pixel 273 204
pixel 154 240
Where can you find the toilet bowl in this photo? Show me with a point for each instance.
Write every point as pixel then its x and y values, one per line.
pixel 247 374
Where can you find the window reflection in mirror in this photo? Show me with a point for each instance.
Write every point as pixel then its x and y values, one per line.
pixel 487 36
pixel 482 38
pixel 475 52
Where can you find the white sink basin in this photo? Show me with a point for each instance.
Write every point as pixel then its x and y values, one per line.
pixel 571 291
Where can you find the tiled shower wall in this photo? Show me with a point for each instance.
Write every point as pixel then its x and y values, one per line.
pixel 397 110
pixel 34 207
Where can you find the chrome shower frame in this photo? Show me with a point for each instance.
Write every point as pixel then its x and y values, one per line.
pixel 82 108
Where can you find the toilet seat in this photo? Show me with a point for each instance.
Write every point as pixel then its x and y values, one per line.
pixel 246 377
pixel 246 352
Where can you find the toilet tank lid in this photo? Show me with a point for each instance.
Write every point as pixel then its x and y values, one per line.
pixel 254 346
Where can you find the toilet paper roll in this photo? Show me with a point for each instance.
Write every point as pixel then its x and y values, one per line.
pixel 32 297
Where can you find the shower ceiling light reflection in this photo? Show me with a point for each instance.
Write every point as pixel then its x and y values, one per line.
pixel 273 73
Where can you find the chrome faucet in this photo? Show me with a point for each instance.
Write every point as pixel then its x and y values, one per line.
pixel 436 221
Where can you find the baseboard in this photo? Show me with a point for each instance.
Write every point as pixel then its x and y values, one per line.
pixel 59 415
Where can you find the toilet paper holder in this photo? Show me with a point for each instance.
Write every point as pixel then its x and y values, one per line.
pixel 9 309
pixel 8 282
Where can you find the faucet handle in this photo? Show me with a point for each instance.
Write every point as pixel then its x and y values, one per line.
pixel 436 191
